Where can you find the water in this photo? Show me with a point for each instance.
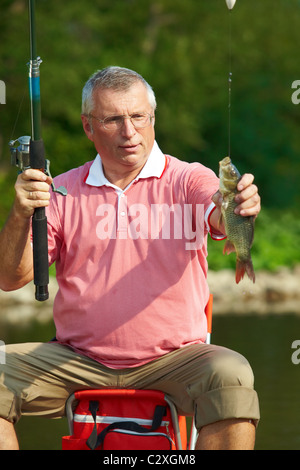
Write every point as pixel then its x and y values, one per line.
pixel 265 340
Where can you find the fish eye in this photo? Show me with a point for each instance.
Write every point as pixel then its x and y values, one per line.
pixel 232 172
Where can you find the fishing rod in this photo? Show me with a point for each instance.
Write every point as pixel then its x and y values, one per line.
pixel 37 161
pixel 31 154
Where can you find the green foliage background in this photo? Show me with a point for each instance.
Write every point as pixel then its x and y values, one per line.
pixel 183 49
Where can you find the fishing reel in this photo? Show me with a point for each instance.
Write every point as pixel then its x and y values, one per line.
pixel 20 157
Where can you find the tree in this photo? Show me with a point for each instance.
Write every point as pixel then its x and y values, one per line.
pixel 182 49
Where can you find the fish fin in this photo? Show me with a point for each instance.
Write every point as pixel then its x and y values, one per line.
pixel 243 267
pixel 228 248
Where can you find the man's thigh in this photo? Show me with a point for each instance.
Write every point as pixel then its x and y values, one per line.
pixel 37 378
pixel 211 381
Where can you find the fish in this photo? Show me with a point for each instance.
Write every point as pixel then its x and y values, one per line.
pixel 239 229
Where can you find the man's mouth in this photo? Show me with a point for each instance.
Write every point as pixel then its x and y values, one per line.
pixel 129 148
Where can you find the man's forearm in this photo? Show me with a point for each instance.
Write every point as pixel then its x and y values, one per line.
pixel 16 266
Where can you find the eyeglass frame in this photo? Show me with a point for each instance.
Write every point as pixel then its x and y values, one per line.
pixel 124 116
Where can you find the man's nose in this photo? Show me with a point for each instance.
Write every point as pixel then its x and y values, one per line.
pixel 128 128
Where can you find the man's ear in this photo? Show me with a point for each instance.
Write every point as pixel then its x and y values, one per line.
pixel 87 127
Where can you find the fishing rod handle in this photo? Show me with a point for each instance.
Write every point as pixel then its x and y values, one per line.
pixel 39 229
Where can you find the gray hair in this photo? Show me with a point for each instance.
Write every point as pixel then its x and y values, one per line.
pixel 115 78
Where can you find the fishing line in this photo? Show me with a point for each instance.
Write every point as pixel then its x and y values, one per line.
pixel 229 82
pixel 230 5
pixel 18 113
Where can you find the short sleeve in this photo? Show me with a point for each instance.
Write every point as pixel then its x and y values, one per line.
pixel 202 184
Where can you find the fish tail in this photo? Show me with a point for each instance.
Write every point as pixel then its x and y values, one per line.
pixel 243 267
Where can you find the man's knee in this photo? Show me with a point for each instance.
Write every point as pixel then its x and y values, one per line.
pixel 228 389
pixel 230 369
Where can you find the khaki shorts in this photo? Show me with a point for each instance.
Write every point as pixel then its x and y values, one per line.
pixel 213 382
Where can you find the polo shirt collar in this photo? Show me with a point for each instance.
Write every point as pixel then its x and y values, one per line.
pixel 154 166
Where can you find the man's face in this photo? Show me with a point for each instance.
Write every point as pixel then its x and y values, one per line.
pixel 125 150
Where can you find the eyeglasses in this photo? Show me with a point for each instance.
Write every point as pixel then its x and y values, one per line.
pixel 112 123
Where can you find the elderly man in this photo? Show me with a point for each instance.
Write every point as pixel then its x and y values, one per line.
pixel 129 242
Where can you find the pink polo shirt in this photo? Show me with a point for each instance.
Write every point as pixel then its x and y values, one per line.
pixel 131 265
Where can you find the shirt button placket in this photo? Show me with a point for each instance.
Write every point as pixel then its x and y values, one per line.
pixel 122 216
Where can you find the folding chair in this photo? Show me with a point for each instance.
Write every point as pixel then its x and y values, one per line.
pixel 88 423
pixel 127 420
